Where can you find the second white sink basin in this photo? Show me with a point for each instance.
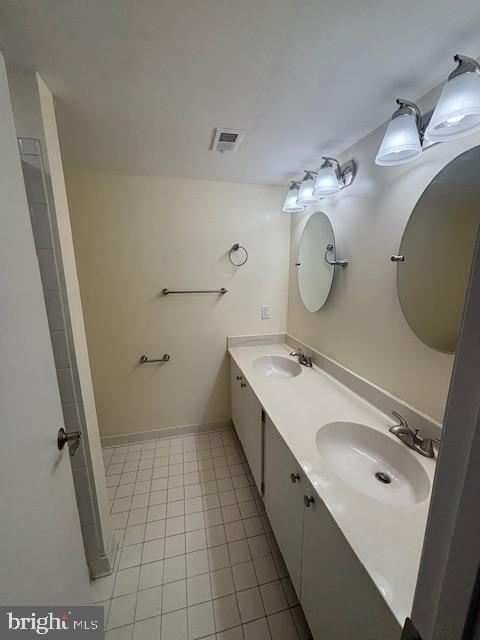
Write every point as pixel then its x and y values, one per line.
pixel 373 463
pixel 277 366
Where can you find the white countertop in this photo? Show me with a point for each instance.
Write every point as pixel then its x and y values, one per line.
pixel 387 539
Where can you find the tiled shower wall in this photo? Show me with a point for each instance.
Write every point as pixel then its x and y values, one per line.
pixel 51 272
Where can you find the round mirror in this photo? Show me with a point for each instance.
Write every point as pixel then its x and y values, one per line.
pixel 438 245
pixel 315 274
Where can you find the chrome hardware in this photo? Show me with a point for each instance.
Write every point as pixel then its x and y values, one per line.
pixel 345 172
pixel 166 292
pixel 294 477
pixel 145 359
pixel 397 258
pixel 383 477
pixel 334 263
pixel 72 437
pixel 239 377
pixel 465 65
pixel 410 437
pixel 407 107
pixel 302 358
pixel 297 264
pixel 236 247
pixel 243 385
pixel 308 500
pixel 427 446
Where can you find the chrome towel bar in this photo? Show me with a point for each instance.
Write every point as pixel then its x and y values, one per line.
pixel 222 291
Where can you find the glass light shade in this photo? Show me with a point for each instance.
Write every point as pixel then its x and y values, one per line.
pixel 305 195
pixel 458 109
pixel 326 183
pixel 291 205
pixel 401 142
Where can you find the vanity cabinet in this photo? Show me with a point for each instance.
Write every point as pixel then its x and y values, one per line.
pixel 247 419
pixel 283 498
pixel 338 597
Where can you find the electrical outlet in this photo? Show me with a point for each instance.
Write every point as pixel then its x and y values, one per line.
pixel 265 311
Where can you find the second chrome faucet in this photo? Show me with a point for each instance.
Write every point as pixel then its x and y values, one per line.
pixel 409 437
pixel 302 358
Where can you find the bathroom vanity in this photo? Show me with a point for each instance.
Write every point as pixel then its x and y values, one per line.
pixel 347 501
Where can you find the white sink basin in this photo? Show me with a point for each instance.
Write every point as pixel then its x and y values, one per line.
pixel 277 367
pixel 373 463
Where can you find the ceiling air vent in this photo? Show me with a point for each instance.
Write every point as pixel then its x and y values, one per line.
pixel 227 139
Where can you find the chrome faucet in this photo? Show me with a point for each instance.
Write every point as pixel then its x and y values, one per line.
pixel 423 446
pixel 302 358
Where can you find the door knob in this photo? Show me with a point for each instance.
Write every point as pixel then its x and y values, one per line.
pixel 308 500
pixel 294 477
pixel 72 437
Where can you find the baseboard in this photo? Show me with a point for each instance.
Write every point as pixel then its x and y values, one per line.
pixel 165 432
pixel 104 566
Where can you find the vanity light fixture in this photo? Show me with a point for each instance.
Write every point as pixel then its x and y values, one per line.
pixel 305 195
pixel 457 114
pixel 332 176
pixel 403 138
pixel 458 109
pixel 291 205
pixel 326 183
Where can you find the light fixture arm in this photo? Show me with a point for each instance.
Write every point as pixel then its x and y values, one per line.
pixel 345 172
pixel 465 65
pixel 407 107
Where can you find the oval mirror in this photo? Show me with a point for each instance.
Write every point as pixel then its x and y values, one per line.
pixel 315 274
pixel 438 245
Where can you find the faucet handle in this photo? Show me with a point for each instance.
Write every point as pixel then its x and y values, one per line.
pixel 426 447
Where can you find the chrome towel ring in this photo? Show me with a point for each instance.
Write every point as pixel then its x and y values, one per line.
pixel 237 247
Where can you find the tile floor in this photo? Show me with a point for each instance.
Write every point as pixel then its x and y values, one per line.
pixel 197 555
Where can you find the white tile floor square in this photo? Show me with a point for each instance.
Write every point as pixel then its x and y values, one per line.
pixel 197 557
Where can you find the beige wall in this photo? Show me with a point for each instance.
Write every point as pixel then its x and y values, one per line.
pixel 362 325
pixel 135 235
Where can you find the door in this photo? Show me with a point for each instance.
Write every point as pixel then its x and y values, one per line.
pixel 338 597
pixel 447 603
pixel 42 560
pixel 283 498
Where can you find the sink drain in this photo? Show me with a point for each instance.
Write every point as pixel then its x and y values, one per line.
pixel 381 476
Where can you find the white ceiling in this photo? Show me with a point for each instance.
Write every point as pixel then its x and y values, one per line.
pixel 142 83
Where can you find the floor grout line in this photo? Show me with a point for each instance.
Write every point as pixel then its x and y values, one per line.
pixel 201 465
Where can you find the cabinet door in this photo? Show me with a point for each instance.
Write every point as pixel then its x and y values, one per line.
pixel 252 432
pixel 236 395
pixel 338 596
pixel 247 418
pixel 283 498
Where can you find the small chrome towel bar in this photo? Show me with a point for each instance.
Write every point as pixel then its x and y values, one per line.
pixel 145 359
pixel 222 291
